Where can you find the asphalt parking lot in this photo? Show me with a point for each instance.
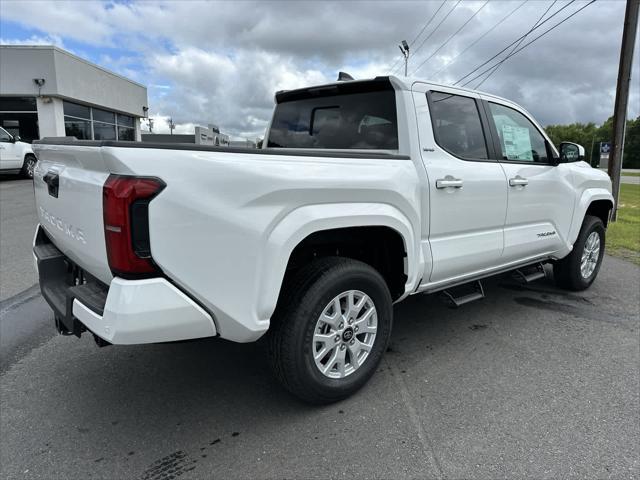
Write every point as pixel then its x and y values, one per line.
pixel 529 382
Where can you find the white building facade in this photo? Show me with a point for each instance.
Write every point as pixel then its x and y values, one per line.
pixel 48 92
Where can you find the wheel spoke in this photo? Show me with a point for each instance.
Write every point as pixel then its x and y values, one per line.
pixel 366 329
pixel 331 362
pixel 326 338
pixel 357 308
pixel 341 361
pixel 320 354
pixel 364 320
pixel 353 356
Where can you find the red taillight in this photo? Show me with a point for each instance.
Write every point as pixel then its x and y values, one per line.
pixel 125 202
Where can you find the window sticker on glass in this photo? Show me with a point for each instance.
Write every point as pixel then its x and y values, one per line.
pixel 517 143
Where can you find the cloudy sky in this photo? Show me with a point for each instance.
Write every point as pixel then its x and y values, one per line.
pixel 221 62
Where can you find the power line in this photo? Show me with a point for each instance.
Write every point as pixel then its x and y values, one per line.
pixel 450 37
pixel 419 33
pixel 497 67
pixel 453 60
pixel 511 44
pixel 436 28
pixel 529 43
pixel 428 23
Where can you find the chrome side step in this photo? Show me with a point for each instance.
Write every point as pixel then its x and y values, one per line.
pixel 458 296
pixel 530 274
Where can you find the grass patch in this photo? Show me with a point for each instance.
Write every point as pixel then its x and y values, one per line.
pixel 631 174
pixel 623 236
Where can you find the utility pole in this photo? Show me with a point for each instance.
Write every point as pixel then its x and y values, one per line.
pixel 404 48
pixel 622 98
pixel 171 125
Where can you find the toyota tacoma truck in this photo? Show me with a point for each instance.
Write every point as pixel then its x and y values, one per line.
pixel 365 192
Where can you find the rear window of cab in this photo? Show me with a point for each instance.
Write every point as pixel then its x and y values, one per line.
pixel 349 116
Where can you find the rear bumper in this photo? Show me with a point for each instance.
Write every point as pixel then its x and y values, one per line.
pixel 125 312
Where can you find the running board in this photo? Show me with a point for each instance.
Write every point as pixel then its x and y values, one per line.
pixel 530 274
pixel 458 296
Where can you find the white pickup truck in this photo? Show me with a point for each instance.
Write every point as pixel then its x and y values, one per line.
pixel 15 156
pixel 366 192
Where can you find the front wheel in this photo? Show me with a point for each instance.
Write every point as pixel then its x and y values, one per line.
pixel 330 329
pixel 28 166
pixel 579 269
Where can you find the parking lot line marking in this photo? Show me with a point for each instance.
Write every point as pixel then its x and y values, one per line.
pixel 425 440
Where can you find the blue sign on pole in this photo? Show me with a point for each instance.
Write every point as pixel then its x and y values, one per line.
pixel 605 147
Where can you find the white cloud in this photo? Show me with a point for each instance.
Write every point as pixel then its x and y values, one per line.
pixel 35 40
pixel 221 62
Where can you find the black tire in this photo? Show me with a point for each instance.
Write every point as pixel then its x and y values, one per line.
pixel 28 165
pixel 290 337
pixel 566 272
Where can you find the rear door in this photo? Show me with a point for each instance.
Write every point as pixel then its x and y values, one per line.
pixel 467 190
pixel 541 195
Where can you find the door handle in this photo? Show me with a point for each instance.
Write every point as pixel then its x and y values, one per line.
pixel 449 181
pixel 518 181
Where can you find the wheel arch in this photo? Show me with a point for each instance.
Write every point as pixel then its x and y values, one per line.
pixel 318 223
pixel 594 201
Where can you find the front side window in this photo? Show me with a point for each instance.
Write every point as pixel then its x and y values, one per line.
pixel 457 126
pixel 520 140
pixel 337 120
pixel 4 136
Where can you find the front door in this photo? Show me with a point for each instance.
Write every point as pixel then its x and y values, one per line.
pixel 467 192
pixel 541 194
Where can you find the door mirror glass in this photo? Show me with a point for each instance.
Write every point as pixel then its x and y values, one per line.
pixel 571 152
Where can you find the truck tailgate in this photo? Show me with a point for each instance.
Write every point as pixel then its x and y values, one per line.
pixel 68 189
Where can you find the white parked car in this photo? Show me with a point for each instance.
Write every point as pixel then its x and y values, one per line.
pixel 15 156
pixel 366 192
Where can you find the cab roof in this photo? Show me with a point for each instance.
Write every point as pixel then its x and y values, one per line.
pixel 398 83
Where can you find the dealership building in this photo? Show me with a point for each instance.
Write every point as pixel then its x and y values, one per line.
pixel 48 92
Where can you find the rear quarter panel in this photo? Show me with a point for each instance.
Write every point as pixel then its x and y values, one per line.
pixel 225 225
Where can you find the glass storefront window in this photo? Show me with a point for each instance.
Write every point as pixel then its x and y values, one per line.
pixel 125 133
pixel 75 110
pixel 79 119
pixel 103 116
pixel 18 104
pixel 104 131
pixel 24 124
pixel 125 121
pixel 81 129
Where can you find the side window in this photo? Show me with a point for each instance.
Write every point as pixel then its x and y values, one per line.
pixel 457 126
pixel 4 136
pixel 520 140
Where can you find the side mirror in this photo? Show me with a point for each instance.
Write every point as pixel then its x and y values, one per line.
pixel 16 138
pixel 571 152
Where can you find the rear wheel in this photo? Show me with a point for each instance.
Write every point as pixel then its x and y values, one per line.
pixel 330 330
pixel 579 269
pixel 28 166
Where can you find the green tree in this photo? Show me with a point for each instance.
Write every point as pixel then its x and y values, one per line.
pixel 589 136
